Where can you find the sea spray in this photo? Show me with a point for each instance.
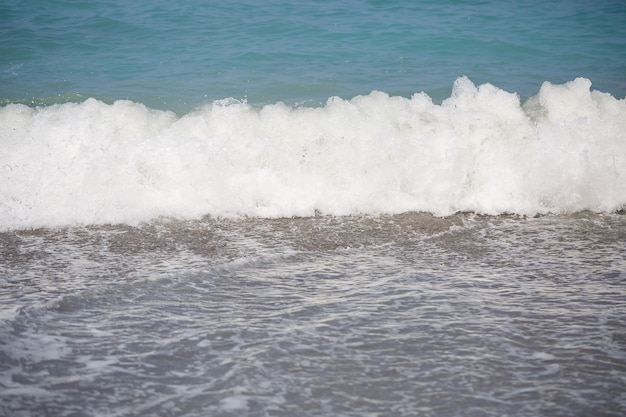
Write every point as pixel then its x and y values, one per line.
pixel 480 150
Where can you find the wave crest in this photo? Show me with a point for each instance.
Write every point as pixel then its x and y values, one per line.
pixel 480 150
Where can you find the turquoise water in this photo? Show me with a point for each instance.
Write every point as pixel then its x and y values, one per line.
pixel 179 55
pixel 120 112
pixel 174 241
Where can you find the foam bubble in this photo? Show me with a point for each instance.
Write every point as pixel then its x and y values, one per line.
pixel 481 150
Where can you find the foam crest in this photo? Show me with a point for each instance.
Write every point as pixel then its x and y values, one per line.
pixel 481 150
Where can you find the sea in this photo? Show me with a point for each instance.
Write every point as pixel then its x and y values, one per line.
pixel 313 209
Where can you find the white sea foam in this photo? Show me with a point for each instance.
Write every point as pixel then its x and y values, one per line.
pixel 481 150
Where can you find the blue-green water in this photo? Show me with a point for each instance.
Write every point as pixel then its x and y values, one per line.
pixel 176 242
pixel 178 55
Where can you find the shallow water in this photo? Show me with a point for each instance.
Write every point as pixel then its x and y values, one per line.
pixel 116 118
pixel 391 315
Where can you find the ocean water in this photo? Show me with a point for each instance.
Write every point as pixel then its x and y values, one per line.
pixel 352 208
pixel 178 56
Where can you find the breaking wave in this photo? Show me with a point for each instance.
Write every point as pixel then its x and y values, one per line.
pixel 481 150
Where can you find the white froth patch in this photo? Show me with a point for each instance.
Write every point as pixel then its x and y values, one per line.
pixel 36 347
pixel 234 402
pixel 481 150
pixel 544 356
